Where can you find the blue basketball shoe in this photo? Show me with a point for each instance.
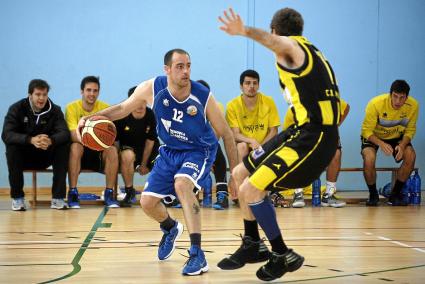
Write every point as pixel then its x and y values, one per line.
pixel 73 198
pixel 222 201
pixel 109 199
pixel 196 264
pixel 168 241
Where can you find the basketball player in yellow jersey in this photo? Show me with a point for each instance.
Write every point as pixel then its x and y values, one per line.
pixel 332 171
pixel 252 116
pixel 295 157
pixel 389 123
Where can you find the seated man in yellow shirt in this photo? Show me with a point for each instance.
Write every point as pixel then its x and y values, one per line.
pixel 332 171
pixel 389 123
pixel 81 157
pixel 252 116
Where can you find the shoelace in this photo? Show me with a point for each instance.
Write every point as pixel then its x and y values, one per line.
pixel 189 259
pixel 247 242
pixel 221 197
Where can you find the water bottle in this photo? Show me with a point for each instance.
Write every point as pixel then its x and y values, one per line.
pixel 411 182
pixel 405 191
pixel 416 189
pixel 315 200
pixel 386 190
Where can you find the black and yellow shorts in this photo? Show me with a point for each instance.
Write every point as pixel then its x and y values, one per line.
pixel 292 159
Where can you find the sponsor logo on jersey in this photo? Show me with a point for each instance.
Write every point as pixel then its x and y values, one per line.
pixel 257 152
pixel 166 123
pixel 166 102
pixel 192 110
pixel 254 127
pixel 277 166
pixel 178 134
pixel 191 165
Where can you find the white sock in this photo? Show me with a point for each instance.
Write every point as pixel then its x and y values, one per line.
pixel 330 188
pixel 298 190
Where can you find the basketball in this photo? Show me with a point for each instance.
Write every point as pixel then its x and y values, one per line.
pixel 98 133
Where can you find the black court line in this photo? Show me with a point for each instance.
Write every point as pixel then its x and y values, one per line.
pixel 215 230
pixel 357 274
pixel 98 224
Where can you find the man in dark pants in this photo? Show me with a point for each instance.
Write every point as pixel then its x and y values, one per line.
pixel 36 137
pixel 139 144
pixel 219 168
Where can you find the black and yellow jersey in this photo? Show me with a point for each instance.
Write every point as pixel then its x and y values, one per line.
pixel 311 90
pixel 289 116
pixel 385 122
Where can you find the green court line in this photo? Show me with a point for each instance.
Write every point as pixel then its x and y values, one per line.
pixel 75 262
pixel 98 224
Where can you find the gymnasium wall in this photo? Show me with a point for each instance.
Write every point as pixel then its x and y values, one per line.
pixel 370 43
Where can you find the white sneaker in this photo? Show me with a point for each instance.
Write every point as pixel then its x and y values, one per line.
pixel 298 201
pixel 18 204
pixel 332 201
pixel 58 203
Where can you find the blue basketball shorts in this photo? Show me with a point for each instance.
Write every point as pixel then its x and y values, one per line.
pixel 170 164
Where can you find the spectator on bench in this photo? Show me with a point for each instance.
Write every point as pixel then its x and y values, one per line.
pixel 139 144
pixel 389 123
pixel 36 137
pixel 220 169
pixel 252 116
pixel 82 157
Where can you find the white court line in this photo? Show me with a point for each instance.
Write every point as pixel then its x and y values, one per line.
pixel 396 242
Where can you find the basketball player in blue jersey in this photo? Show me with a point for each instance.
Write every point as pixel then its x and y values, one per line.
pixel 185 111
pixel 295 157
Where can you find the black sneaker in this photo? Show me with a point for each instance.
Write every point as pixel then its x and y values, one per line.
pixel 395 200
pixel 249 252
pixel 373 200
pixel 278 200
pixel 128 199
pixel 279 264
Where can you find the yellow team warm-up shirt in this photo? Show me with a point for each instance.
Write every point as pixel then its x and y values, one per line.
pixel 385 122
pixel 289 116
pixel 256 123
pixel 74 111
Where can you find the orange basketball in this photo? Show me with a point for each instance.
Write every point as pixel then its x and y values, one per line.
pixel 98 133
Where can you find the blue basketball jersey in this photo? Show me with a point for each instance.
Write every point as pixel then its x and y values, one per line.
pixel 182 125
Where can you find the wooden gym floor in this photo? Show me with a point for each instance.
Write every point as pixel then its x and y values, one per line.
pixel 355 244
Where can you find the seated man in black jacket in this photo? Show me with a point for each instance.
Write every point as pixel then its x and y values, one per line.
pixel 36 136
